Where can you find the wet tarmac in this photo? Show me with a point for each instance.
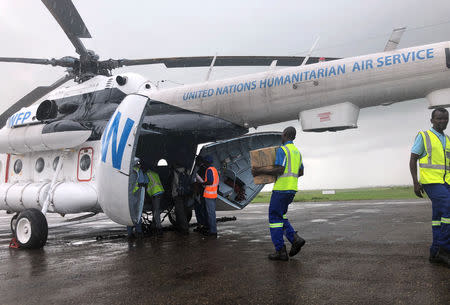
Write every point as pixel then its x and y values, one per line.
pixel 356 253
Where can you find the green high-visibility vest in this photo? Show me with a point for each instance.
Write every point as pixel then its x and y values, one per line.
pixel 154 186
pixel 288 180
pixel 435 165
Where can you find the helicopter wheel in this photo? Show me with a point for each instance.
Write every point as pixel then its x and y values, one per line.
pixel 14 223
pixel 173 217
pixel 31 229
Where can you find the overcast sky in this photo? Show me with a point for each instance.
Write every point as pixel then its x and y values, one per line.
pixel 375 154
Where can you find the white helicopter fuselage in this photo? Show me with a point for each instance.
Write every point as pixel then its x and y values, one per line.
pixel 326 95
pixel 280 95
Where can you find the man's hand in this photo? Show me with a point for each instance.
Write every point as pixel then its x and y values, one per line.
pixel 418 189
pixel 255 172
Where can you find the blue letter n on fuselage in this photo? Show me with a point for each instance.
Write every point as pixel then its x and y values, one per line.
pixel 112 130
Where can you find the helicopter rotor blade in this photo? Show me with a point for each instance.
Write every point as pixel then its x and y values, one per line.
pixel 67 61
pixel 31 97
pixel 70 21
pixel 205 61
pixel 37 61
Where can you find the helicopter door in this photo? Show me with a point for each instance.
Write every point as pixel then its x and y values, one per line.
pixel 115 175
pixel 232 160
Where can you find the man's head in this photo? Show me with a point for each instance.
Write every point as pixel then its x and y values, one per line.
pixel 439 119
pixel 288 134
pixel 208 160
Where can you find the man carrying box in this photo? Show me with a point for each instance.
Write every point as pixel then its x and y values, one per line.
pixel 288 167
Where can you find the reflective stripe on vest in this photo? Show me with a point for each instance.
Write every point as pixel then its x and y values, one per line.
pixel 435 164
pixel 154 186
pixel 288 181
pixel 211 190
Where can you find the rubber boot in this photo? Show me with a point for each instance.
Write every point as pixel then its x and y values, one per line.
pixel 297 245
pixel 444 257
pixel 280 255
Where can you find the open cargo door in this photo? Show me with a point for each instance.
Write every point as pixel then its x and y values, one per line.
pixel 115 176
pixel 232 160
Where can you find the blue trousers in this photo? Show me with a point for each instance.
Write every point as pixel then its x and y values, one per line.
pixel 200 212
pixel 211 210
pixel 440 203
pixel 278 222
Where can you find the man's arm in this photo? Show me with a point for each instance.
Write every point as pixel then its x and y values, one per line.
pixel 277 170
pixel 301 171
pixel 209 177
pixel 418 189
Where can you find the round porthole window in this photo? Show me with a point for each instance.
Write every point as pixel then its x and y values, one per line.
pixel 18 166
pixel 39 167
pixel 55 163
pixel 85 162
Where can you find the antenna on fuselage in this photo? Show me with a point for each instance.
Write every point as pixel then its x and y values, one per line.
pixel 210 68
pixel 273 65
pixel 310 51
pixel 394 40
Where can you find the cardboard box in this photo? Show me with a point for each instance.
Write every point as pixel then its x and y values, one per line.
pixel 263 158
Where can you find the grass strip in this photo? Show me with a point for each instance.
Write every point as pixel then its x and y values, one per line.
pixel 375 193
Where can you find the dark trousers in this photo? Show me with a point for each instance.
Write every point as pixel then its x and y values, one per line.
pixel 180 213
pixel 278 222
pixel 156 211
pixel 200 212
pixel 440 203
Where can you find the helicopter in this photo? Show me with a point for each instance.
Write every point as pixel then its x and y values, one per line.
pixel 70 147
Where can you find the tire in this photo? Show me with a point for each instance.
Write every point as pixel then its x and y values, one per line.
pixel 14 223
pixel 31 229
pixel 173 217
pixel 188 212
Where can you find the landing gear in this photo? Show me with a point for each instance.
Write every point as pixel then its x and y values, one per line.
pixel 31 229
pixel 173 216
pixel 14 223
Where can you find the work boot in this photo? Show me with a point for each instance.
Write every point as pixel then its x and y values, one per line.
pixel 212 235
pixel 280 255
pixel 441 257
pixel 434 258
pixel 297 245
pixel 209 234
pixel 444 256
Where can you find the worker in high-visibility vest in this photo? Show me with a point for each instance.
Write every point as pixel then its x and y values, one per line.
pixel 211 184
pixel 155 191
pixel 432 149
pixel 288 167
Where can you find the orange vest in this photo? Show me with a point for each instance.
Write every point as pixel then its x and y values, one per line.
pixel 211 190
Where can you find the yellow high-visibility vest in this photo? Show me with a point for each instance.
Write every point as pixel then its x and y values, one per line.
pixel 288 180
pixel 154 186
pixel 435 165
